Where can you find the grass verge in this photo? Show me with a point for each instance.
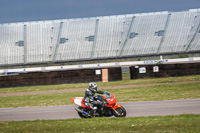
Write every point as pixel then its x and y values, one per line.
pixel 149 93
pixel 116 83
pixel 155 124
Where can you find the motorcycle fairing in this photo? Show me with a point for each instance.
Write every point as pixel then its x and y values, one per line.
pixel 116 106
pixel 112 102
pixel 79 101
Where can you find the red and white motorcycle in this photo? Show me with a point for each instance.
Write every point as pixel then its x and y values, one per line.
pixel 109 108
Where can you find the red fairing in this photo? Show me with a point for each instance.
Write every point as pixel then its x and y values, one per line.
pixel 83 105
pixel 112 102
pixel 116 106
pixel 73 99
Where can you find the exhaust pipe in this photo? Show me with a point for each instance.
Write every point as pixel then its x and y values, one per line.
pixel 78 110
pixel 81 111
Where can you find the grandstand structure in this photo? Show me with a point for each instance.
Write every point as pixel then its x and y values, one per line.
pixel 118 36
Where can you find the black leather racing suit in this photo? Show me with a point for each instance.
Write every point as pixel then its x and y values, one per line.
pixel 89 99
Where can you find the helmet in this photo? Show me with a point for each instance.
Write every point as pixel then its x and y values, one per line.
pixel 93 86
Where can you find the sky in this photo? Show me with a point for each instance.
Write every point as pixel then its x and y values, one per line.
pixel 38 10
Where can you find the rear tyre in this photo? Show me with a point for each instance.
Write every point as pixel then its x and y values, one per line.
pixel 120 112
pixel 80 114
pixel 83 116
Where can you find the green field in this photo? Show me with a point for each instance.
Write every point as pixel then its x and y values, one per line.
pixel 155 124
pixel 148 93
pixel 116 83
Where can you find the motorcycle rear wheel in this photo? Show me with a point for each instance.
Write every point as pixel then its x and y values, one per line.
pixel 81 115
pixel 121 112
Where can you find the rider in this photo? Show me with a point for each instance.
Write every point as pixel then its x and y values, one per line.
pixel 89 98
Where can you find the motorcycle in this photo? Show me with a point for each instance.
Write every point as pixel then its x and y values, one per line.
pixel 108 108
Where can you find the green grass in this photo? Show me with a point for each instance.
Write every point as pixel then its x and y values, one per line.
pixel 149 93
pixel 44 87
pixel 116 83
pixel 160 92
pixel 155 124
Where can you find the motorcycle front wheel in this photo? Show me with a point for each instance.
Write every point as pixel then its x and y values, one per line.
pixel 120 112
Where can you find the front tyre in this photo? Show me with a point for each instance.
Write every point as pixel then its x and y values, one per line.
pixel 120 112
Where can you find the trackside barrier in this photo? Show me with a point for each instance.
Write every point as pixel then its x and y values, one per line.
pixel 101 65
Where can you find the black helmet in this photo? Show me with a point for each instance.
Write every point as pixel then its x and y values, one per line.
pixel 93 86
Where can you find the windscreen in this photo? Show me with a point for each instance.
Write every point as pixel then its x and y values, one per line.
pixel 107 94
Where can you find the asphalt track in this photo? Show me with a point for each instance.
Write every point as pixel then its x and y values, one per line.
pixel 134 109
